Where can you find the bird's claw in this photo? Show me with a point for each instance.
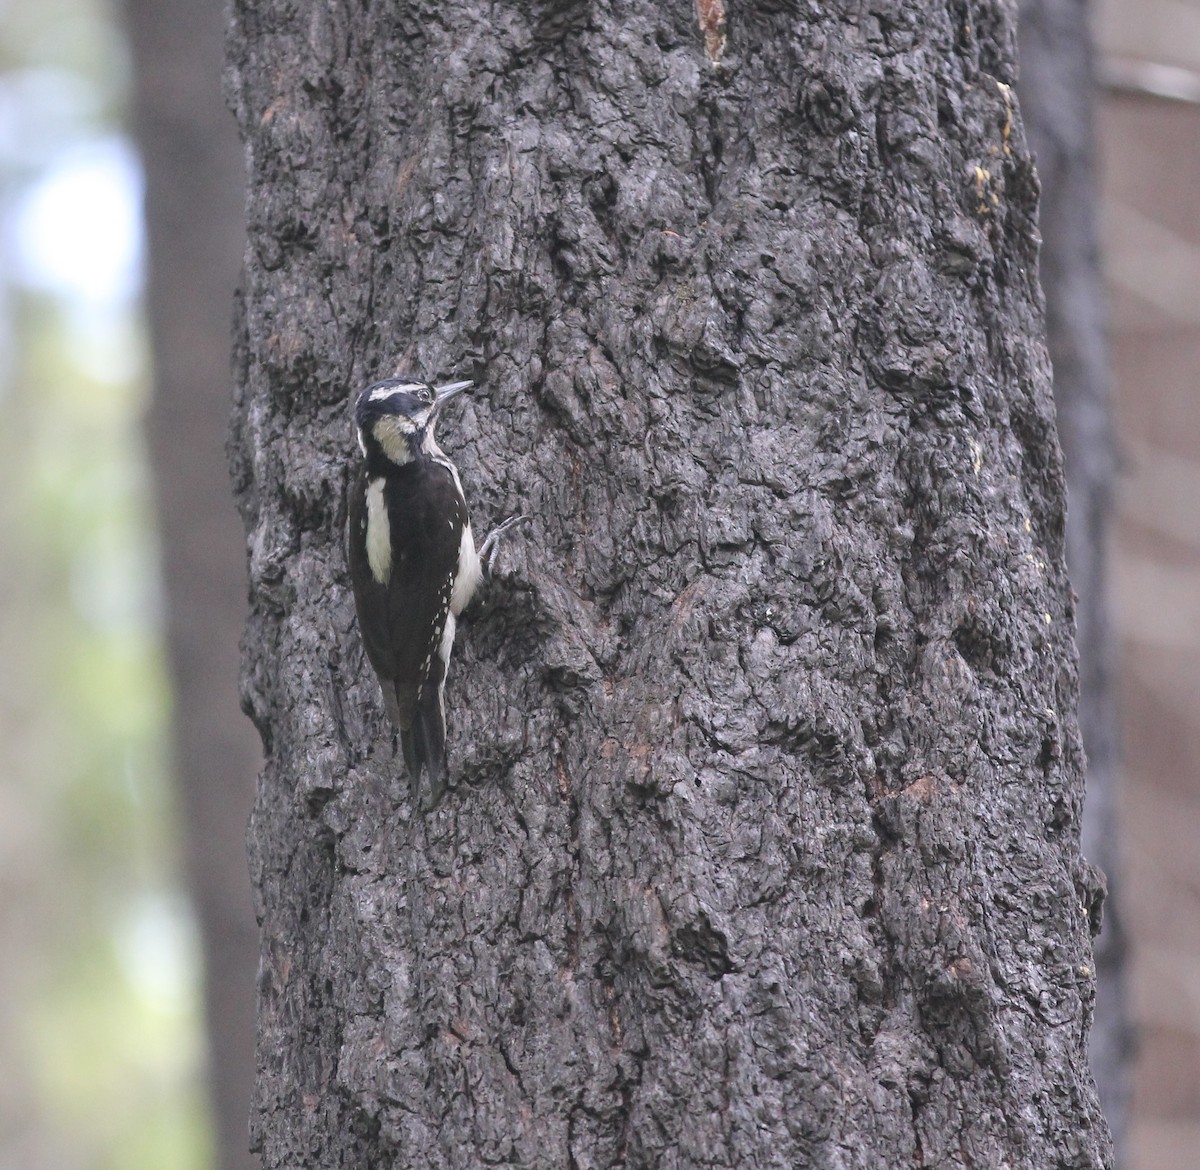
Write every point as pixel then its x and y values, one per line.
pixel 491 546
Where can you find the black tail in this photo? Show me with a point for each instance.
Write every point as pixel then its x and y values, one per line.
pixel 424 747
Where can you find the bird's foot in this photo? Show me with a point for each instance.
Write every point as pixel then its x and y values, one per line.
pixel 489 548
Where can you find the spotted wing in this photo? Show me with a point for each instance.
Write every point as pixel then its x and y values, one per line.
pixel 427 517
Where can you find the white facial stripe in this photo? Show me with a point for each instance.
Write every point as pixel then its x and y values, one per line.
pixel 379 534
pixel 387 391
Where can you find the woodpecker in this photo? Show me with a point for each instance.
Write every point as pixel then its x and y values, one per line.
pixel 413 562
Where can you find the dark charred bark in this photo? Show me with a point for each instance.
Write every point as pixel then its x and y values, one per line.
pixel 194 201
pixel 764 849
pixel 1057 87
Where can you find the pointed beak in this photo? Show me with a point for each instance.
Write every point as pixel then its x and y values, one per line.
pixel 445 393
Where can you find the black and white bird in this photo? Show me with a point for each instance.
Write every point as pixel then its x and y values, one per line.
pixel 413 562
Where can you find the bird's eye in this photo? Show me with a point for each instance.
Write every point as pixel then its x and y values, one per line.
pixel 424 396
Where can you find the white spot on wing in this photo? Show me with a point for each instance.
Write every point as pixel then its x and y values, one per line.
pixel 379 533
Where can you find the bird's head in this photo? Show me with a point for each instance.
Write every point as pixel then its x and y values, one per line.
pixel 397 416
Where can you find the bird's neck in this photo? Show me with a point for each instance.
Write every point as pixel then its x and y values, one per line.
pixel 429 447
pixel 396 449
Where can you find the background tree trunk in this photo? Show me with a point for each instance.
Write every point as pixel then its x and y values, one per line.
pixel 765 843
pixel 194 216
pixel 1057 89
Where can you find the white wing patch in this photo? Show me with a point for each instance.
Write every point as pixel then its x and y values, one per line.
pixel 379 533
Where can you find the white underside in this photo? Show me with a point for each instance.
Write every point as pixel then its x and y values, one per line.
pixel 447 641
pixel 470 573
pixel 379 533
pixel 444 654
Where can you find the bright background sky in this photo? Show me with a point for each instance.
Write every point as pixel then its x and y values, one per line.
pixel 100 1042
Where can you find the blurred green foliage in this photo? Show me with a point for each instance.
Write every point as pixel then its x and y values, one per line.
pixel 100 1040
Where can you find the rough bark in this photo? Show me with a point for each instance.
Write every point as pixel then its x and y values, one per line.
pixel 1057 87
pixel 764 849
pixel 194 217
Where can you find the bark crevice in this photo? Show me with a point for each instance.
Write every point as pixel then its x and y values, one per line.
pixel 749 842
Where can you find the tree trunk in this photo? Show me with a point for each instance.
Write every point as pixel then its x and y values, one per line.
pixel 194 201
pixel 764 846
pixel 1057 85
